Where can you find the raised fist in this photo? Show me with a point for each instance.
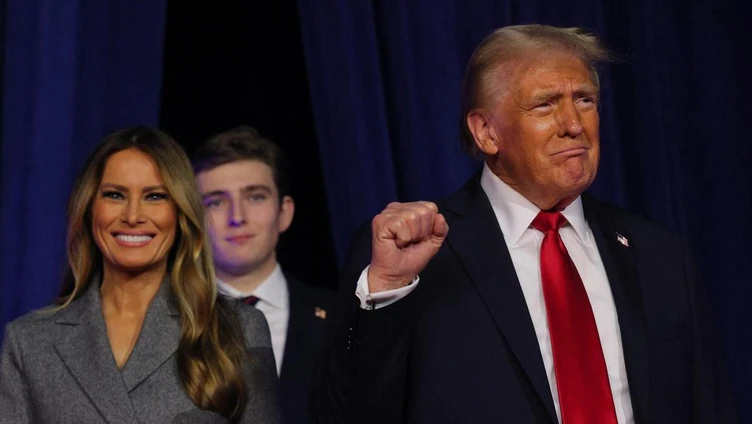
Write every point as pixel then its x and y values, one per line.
pixel 405 238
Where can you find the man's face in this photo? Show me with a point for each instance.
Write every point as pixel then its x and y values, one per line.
pixel 244 213
pixel 544 129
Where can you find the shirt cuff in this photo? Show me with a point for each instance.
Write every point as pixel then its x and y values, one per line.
pixel 381 299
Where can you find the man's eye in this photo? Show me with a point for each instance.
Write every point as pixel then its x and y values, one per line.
pixel 212 203
pixel 587 100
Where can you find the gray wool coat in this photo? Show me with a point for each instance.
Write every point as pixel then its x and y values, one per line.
pixel 58 367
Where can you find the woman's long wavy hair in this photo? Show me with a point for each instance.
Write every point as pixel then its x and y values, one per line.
pixel 212 350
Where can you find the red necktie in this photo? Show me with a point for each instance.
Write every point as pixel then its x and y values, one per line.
pixel 581 375
pixel 250 300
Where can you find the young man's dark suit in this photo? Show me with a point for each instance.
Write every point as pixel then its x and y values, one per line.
pixel 461 347
pixel 305 336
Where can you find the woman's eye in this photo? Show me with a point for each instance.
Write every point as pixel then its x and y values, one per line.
pixel 157 196
pixel 112 195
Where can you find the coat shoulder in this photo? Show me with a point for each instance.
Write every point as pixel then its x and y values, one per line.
pixel 34 324
pixel 310 294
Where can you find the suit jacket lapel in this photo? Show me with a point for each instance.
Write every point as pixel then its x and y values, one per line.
pixel 618 253
pixel 304 330
pixel 158 340
pixel 294 346
pixel 476 239
pixel 83 346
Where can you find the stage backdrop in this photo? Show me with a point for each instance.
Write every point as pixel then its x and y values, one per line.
pixel 74 71
pixel 385 79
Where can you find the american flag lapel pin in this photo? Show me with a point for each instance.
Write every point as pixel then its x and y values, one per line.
pixel 622 239
pixel 319 313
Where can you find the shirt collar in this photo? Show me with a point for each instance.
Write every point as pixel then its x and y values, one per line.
pixel 272 291
pixel 515 213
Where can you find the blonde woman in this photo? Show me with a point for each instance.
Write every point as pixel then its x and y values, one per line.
pixel 138 334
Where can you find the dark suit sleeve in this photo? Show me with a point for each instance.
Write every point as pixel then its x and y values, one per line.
pixel 713 401
pixel 363 372
pixel 14 400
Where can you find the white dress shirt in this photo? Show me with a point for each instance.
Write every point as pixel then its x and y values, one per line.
pixel 515 214
pixel 274 302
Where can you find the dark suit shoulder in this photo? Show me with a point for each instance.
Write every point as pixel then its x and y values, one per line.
pixel 459 200
pixel 618 217
pixel 308 293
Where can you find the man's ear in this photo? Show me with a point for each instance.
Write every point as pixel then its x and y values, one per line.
pixel 286 213
pixel 484 134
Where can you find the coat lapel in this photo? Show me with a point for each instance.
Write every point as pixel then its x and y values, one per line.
pixel 476 239
pixel 619 256
pixel 158 340
pixel 83 346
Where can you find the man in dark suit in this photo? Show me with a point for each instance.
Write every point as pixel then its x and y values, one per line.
pixel 244 185
pixel 518 298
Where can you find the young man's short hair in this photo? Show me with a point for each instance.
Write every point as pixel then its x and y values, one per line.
pixel 243 143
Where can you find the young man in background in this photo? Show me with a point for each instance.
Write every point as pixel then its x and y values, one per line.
pixel 243 180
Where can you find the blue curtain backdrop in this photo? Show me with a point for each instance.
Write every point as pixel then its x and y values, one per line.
pixel 385 78
pixel 74 71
